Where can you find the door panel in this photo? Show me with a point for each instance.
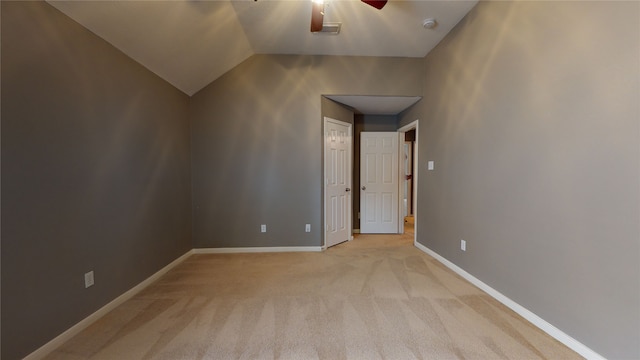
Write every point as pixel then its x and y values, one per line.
pixel 338 182
pixel 370 168
pixel 387 168
pixel 387 206
pixel 379 175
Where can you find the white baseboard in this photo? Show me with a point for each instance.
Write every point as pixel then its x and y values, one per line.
pixel 553 331
pixel 47 348
pixel 236 250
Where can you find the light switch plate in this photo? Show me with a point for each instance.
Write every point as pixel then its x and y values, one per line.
pixel 88 279
pixel 431 165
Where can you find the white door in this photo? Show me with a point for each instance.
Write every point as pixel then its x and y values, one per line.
pixel 379 182
pixel 337 181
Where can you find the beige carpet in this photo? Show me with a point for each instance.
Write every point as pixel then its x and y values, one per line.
pixel 376 297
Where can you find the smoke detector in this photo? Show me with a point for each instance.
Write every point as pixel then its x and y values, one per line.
pixel 429 23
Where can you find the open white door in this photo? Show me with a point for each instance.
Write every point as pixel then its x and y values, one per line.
pixel 337 173
pixel 379 182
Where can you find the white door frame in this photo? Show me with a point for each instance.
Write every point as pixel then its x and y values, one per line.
pixel 413 125
pixel 407 159
pixel 324 178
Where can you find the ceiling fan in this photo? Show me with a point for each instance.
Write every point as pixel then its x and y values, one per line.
pixel 317 12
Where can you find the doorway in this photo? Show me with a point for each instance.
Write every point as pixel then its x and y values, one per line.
pixel 410 220
pixel 380 119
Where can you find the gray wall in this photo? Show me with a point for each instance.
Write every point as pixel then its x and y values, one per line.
pixel 335 110
pixel 95 174
pixel 273 176
pixel 531 114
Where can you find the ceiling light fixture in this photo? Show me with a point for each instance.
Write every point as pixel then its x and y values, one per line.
pixel 319 2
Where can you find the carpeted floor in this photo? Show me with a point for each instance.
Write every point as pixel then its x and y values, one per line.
pixel 376 297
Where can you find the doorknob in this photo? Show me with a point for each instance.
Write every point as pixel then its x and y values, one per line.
pixel 364 187
pixel 347 190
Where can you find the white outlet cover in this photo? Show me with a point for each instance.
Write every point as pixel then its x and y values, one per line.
pixel 431 165
pixel 307 228
pixel 263 228
pixel 463 245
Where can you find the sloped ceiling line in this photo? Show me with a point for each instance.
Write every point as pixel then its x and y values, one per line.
pixel 192 43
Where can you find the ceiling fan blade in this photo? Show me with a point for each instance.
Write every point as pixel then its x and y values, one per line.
pixel 317 16
pixel 378 4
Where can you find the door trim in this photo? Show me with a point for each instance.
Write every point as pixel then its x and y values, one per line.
pixel 324 178
pixel 412 125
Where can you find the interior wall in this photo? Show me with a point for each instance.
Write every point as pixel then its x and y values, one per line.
pixel 530 111
pixel 274 176
pixel 336 111
pixel 95 174
pixel 372 123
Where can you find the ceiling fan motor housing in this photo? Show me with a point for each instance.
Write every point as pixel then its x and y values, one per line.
pixel 378 4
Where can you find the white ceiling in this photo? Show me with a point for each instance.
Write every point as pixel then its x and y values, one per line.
pixel 191 43
pixel 376 105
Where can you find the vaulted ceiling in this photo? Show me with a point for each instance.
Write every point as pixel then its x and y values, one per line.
pixel 191 43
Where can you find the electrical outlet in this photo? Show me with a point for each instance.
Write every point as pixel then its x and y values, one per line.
pixel 307 228
pixel 263 228
pixel 431 165
pixel 88 279
pixel 463 245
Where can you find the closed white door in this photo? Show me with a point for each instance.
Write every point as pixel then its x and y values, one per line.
pixel 379 182
pixel 337 182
